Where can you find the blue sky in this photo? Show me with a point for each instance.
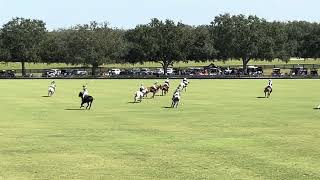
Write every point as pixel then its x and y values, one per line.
pixel 129 13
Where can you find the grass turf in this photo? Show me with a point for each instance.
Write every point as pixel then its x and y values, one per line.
pixel 222 130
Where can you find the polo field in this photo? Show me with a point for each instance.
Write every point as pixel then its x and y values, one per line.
pixel 222 129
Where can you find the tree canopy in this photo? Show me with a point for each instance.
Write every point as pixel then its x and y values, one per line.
pixel 21 39
pixel 227 37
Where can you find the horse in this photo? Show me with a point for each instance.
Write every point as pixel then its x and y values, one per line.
pixel 165 89
pixel 183 86
pixel 51 91
pixel 267 91
pixel 138 96
pixel 152 90
pixel 175 100
pixel 87 99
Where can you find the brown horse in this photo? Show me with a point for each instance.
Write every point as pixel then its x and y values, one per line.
pixel 152 90
pixel 267 91
pixel 165 89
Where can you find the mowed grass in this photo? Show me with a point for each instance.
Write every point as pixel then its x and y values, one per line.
pixel 221 130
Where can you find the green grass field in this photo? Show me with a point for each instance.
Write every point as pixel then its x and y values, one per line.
pixel 221 130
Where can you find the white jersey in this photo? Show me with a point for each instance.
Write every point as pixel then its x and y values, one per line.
pixel 176 95
pixel 52 86
pixel 85 92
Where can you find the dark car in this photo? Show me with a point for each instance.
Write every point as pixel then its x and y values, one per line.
pixel 66 72
pixel 7 74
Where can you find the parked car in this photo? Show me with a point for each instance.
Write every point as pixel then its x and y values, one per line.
pixel 78 72
pixel 214 72
pixel 169 71
pixel 299 71
pixel 276 72
pixel 314 72
pixel 145 71
pixel 115 71
pixel 254 71
pixel 66 72
pixel 51 73
pixel 158 71
pixel 7 74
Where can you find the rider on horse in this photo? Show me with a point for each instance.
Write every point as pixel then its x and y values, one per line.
pixel 270 84
pixel 85 91
pixel 166 82
pixel 155 85
pixel 185 81
pixel 142 88
pixel 53 85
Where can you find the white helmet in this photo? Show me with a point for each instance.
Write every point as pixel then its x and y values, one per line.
pixel 184 79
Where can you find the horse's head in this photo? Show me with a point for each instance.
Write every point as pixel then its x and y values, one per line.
pixel 80 94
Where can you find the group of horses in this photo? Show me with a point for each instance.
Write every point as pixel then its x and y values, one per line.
pixel 84 100
pixel 139 95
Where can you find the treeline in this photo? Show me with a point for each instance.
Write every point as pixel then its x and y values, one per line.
pixel 226 37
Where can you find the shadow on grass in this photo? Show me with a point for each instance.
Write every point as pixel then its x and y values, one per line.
pixel 74 109
pixel 45 96
pixel 167 107
pixel 316 108
pixel 131 102
pixel 260 97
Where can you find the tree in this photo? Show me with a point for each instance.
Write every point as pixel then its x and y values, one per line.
pixel 22 37
pixel 202 45
pixel 162 42
pixel 93 44
pixel 311 43
pixel 54 47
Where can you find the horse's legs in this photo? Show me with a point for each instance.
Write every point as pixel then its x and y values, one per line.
pixel 81 105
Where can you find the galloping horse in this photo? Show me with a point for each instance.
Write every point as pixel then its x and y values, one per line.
pixel 267 91
pixel 87 99
pixel 51 91
pixel 175 99
pixel 137 96
pixel 152 90
pixel 165 89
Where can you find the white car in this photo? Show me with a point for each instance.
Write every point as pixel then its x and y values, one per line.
pixel 169 71
pixel 158 71
pixel 115 71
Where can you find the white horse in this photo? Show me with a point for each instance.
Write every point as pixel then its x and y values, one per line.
pixel 138 96
pixel 51 91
